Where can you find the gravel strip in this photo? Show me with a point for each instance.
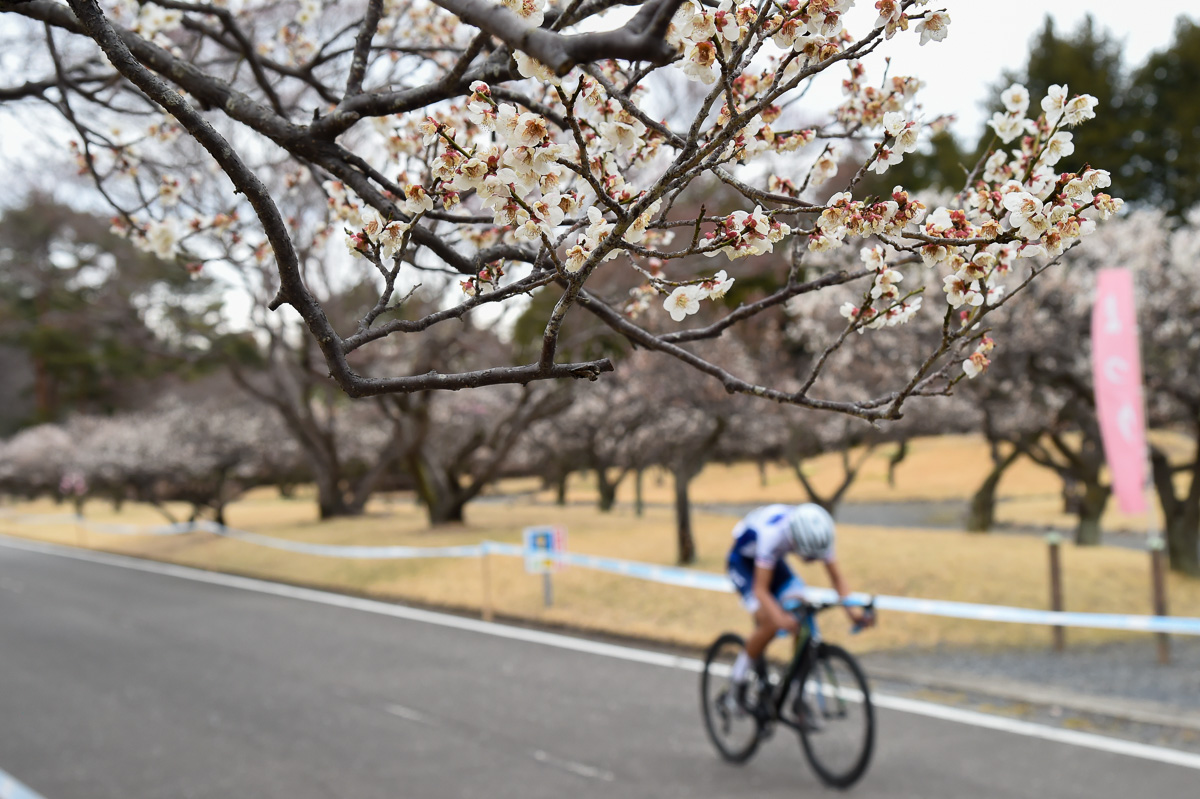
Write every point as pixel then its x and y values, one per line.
pixel 1124 670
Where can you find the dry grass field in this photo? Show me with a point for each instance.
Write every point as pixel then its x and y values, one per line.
pixel 999 569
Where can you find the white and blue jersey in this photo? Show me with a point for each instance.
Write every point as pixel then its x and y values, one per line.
pixel 762 539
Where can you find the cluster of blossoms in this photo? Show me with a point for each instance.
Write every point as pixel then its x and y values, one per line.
pixel 843 216
pixel 486 278
pixel 164 237
pixel 902 138
pixel 978 363
pixel 367 231
pixel 892 18
pixel 147 20
pixel 685 300
pixel 505 175
pixel 892 309
pixel 1021 206
pixel 741 234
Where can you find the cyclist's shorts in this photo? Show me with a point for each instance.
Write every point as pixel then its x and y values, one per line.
pixel 741 574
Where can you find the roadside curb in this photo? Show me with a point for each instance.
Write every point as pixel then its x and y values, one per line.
pixel 1130 710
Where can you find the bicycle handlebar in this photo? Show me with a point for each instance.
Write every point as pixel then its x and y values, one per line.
pixel 799 608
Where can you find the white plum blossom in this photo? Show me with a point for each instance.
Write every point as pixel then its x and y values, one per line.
pixel 1008 126
pixel 417 200
pixel 961 292
pixel 700 62
pixel 886 158
pixel 532 68
pixel 716 288
pixel 1058 148
pixel 683 301
pixel 934 27
pixel 873 258
pixel 1080 109
pixel 1026 213
pixel 169 191
pixel 885 284
pixel 826 166
pixel 976 365
pixel 532 11
pixel 1054 103
pixel 162 239
pixel 623 133
pixel 1015 99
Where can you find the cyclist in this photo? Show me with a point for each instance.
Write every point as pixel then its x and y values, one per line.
pixel 761 575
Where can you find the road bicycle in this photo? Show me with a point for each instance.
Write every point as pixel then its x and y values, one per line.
pixel 821 694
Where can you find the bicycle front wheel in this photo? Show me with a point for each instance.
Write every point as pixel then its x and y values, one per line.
pixel 837 718
pixel 733 730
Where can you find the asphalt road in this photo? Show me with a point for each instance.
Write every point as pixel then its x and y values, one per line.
pixel 126 684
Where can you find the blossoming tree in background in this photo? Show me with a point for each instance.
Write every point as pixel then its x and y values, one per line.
pixel 493 150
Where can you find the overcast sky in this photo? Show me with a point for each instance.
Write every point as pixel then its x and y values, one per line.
pixel 987 38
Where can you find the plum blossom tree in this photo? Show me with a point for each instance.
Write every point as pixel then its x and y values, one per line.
pixel 597 432
pixel 452 446
pixel 203 453
pixel 33 462
pixel 1168 275
pixel 206 454
pixel 1041 402
pixel 515 147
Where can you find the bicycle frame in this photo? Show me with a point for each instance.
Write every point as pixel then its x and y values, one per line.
pixel 806 642
pixel 804 652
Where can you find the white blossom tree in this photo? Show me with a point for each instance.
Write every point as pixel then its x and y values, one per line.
pixel 514 147
pixel 1041 402
pixel 33 462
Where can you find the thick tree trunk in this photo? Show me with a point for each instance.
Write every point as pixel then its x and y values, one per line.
pixel 1091 508
pixel 608 488
pixel 982 514
pixel 560 495
pixel 1182 514
pixel 330 501
pixel 1183 544
pixel 608 496
pixel 683 515
pixel 762 473
pixel 448 511
pixel 639 504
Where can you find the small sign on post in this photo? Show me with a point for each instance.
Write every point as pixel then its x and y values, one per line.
pixel 543 545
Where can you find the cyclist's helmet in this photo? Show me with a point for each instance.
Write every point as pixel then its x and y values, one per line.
pixel 811 529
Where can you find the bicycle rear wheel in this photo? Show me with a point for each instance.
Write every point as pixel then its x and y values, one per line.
pixel 733 730
pixel 838 730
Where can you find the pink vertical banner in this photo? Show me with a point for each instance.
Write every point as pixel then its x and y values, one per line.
pixel 1117 375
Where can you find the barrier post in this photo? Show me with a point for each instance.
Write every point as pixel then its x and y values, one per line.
pixel 79 538
pixel 1054 542
pixel 1158 576
pixel 485 607
pixel 547 590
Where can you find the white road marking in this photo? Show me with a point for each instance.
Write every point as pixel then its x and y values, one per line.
pixel 407 713
pixel 917 707
pixel 571 766
pixel 1029 729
